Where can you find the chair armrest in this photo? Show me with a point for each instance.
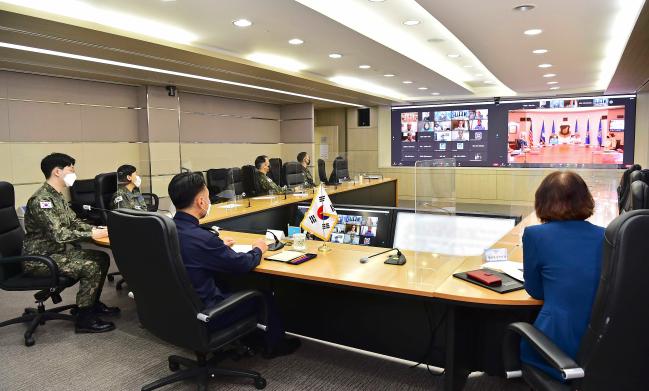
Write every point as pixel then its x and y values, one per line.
pixel 543 345
pixel 54 269
pixel 232 302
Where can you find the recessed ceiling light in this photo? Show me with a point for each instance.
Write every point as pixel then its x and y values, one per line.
pixel 478 75
pixel 295 41
pixel 364 66
pixel 550 75
pixel 453 55
pixel 468 66
pixel 389 75
pixel 489 82
pixel 335 55
pixel 554 88
pixel 524 7
pixel 411 22
pixel 377 1
pixel 545 65
pixel 167 1
pixel 434 93
pixel 533 32
pixel 422 88
pixel 406 82
pixel 553 82
pixel 242 23
pixel 540 51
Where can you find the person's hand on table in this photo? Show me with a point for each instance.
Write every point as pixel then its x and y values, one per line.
pixel 99 233
pixel 260 244
pixel 228 241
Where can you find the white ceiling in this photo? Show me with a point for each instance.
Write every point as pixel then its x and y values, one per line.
pixel 489 34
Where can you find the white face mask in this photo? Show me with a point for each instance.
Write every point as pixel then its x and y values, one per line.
pixel 207 212
pixel 69 179
pixel 137 181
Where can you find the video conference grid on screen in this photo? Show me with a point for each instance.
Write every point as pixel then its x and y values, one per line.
pixel 530 133
pixel 355 229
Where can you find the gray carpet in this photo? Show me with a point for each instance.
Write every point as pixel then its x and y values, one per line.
pixel 129 357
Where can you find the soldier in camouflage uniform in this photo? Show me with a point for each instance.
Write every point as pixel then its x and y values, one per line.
pixel 304 159
pixel 128 192
pixel 51 227
pixel 264 183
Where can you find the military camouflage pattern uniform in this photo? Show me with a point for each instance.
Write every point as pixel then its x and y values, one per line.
pixel 124 198
pixel 51 227
pixel 266 184
pixel 308 178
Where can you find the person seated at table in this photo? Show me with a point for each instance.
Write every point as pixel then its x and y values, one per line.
pixel 128 190
pixel 208 258
pixel 304 159
pixel 265 184
pixel 562 264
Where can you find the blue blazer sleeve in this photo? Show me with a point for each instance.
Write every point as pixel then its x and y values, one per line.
pixel 221 258
pixel 531 266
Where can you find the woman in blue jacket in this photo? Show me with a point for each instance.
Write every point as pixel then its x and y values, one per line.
pixel 562 263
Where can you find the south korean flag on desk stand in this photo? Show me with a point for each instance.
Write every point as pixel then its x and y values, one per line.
pixel 321 218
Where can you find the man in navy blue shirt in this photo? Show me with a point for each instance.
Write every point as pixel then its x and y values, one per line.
pixel 207 256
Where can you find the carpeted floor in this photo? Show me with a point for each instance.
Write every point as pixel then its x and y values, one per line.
pixel 129 357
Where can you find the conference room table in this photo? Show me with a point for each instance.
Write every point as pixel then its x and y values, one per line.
pixel 417 312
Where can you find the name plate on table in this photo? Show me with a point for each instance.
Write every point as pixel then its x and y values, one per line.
pixel 495 255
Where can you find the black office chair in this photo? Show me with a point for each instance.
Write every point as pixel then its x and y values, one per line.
pixel 250 185
pixel 340 171
pixel 275 172
pixel 237 181
pixel 322 171
pixel 293 174
pixel 152 201
pixel 614 350
pixel 625 186
pixel 12 277
pixel 83 193
pixel 167 305
pixel 105 188
pixel 638 196
pixel 217 181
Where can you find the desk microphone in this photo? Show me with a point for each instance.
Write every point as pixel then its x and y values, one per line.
pixel 397 259
pixel 277 245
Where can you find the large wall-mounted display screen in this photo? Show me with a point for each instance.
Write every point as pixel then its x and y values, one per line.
pixel 528 133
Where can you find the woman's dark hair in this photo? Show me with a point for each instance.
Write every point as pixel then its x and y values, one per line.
pixel 55 160
pixel 184 188
pixel 563 195
pixel 124 171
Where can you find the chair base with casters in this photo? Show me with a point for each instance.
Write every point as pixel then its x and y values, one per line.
pixel 202 370
pixel 39 315
pixel 111 277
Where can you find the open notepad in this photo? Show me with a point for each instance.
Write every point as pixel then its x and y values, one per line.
pixel 285 256
pixel 242 248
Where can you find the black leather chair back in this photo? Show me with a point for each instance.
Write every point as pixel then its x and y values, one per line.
pixel 237 180
pixel 11 233
pixel 625 187
pixel 293 174
pixel 83 193
pixel 322 171
pixel 638 196
pixel 639 175
pixel 218 180
pixel 248 180
pixel 105 187
pixel 340 170
pixel 166 302
pixel 614 349
pixel 275 172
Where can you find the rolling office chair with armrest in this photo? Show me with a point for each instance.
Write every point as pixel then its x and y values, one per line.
pixel 614 349
pixel 638 196
pixel 217 181
pixel 340 171
pixel 237 181
pixel 152 201
pixel 167 305
pixel 83 193
pixel 105 187
pixel 12 277
pixel 293 174
pixel 322 171
pixel 250 185
pixel 275 172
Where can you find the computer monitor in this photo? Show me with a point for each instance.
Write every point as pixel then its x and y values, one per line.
pixel 358 225
pixel 449 235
